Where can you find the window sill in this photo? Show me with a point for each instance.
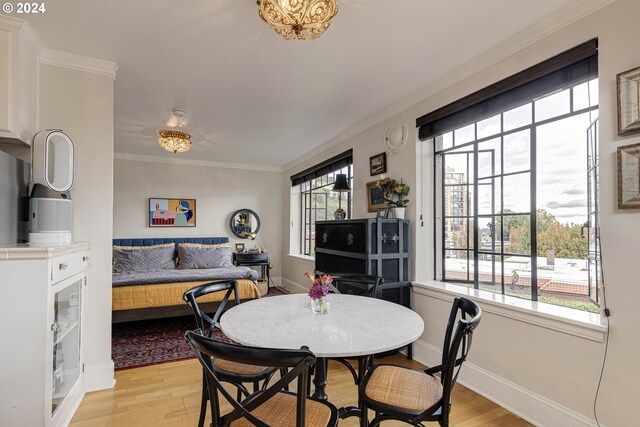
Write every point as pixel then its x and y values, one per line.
pixel 302 258
pixel 562 319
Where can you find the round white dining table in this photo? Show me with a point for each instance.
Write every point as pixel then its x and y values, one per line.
pixel 354 326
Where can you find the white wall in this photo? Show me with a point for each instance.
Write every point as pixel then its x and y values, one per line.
pixel 81 103
pixel 553 369
pixel 218 193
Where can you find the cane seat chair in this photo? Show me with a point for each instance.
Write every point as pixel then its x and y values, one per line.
pixel 413 396
pixel 271 406
pixel 235 373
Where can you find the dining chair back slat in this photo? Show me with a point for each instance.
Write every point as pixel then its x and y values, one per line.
pixel 235 374
pixel 297 363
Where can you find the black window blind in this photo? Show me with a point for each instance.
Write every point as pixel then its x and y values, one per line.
pixel 330 165
pixel 569 68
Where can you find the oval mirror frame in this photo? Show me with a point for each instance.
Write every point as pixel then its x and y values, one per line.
pixel 244 222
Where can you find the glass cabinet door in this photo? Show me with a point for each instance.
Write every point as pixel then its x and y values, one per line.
pixel 66 342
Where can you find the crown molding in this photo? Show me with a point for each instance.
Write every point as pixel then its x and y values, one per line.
pixel 192 162
pixel 565 16
pixel 77 62
pixel 9 23
pixel 31 38
pixel 55 57
pixel 24 29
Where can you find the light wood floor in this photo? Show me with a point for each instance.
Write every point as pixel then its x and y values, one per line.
pixel 169 395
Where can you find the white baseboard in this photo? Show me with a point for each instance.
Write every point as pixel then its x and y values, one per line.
pixel 293 287
pixel 276 281
pixel 66 418
pixel 530 406
pixel 99 377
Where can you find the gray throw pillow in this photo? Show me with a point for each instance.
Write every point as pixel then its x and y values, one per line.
pixel 143 260
pixel 205 257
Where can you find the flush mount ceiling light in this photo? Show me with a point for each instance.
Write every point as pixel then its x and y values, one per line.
pixel 175 140
pixel 298 19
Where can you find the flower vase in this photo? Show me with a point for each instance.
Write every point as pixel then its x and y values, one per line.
pixel 320 306
pixel 398 213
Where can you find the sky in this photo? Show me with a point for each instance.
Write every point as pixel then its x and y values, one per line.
pixel 561 156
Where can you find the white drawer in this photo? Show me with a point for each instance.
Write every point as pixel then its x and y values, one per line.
pixel 66 266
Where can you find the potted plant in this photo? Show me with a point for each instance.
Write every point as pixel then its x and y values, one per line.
pixel 395 194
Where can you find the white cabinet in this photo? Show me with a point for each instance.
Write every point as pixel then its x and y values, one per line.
pixel 41 323
pixel 19 51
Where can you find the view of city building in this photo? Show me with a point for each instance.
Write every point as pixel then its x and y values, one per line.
pixel 528 166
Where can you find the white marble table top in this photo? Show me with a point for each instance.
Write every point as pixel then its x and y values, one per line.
pixel 354 326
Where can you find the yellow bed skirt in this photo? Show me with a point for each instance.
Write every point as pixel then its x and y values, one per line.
pixel 169 294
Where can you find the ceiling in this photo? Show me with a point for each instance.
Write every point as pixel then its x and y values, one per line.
pixel 255 98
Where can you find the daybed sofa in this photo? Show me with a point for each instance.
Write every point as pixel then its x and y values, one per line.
pixel 149 277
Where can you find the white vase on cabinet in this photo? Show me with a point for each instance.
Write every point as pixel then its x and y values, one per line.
pixel 398 213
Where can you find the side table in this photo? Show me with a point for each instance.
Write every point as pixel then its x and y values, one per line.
pixel 254 259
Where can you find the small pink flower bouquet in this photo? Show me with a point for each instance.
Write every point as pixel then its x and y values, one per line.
pixel 319 290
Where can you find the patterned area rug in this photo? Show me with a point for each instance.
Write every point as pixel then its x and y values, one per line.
pixel 150 342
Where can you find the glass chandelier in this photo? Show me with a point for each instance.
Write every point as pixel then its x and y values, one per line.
pixel 174 140
pixel 298 19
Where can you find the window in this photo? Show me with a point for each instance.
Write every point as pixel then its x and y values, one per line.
pixel 512 192
pixel 313 200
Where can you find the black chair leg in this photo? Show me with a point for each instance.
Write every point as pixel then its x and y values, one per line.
pixel 239 395
pixel 256 386
pixel 364 415
pixel 203 402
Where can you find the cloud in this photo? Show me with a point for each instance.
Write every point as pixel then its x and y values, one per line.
pixel 574 191
pixel 568 215
pixel 578 203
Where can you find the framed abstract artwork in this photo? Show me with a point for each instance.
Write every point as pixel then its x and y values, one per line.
pixel 172 212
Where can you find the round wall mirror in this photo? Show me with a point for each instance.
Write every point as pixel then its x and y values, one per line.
pixel 244 223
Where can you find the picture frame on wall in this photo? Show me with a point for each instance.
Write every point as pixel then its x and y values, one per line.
pixel 628 89
pixel 172 212
pixel 629 177
pixel 378 164
pixel 375 197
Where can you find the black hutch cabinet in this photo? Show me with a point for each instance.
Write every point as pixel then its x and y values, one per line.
pixel 381 247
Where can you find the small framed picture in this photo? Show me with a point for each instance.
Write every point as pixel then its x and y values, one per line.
pixel 383 213
pixel 239 247
pixel 378 164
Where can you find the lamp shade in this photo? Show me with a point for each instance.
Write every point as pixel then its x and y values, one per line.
pixel 341 183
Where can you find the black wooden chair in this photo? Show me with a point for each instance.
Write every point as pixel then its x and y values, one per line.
pixel 273 406
pixel 360 284
pixel 413 396
pixel 234 373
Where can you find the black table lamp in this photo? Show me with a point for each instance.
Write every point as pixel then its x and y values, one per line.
pixel 340 185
